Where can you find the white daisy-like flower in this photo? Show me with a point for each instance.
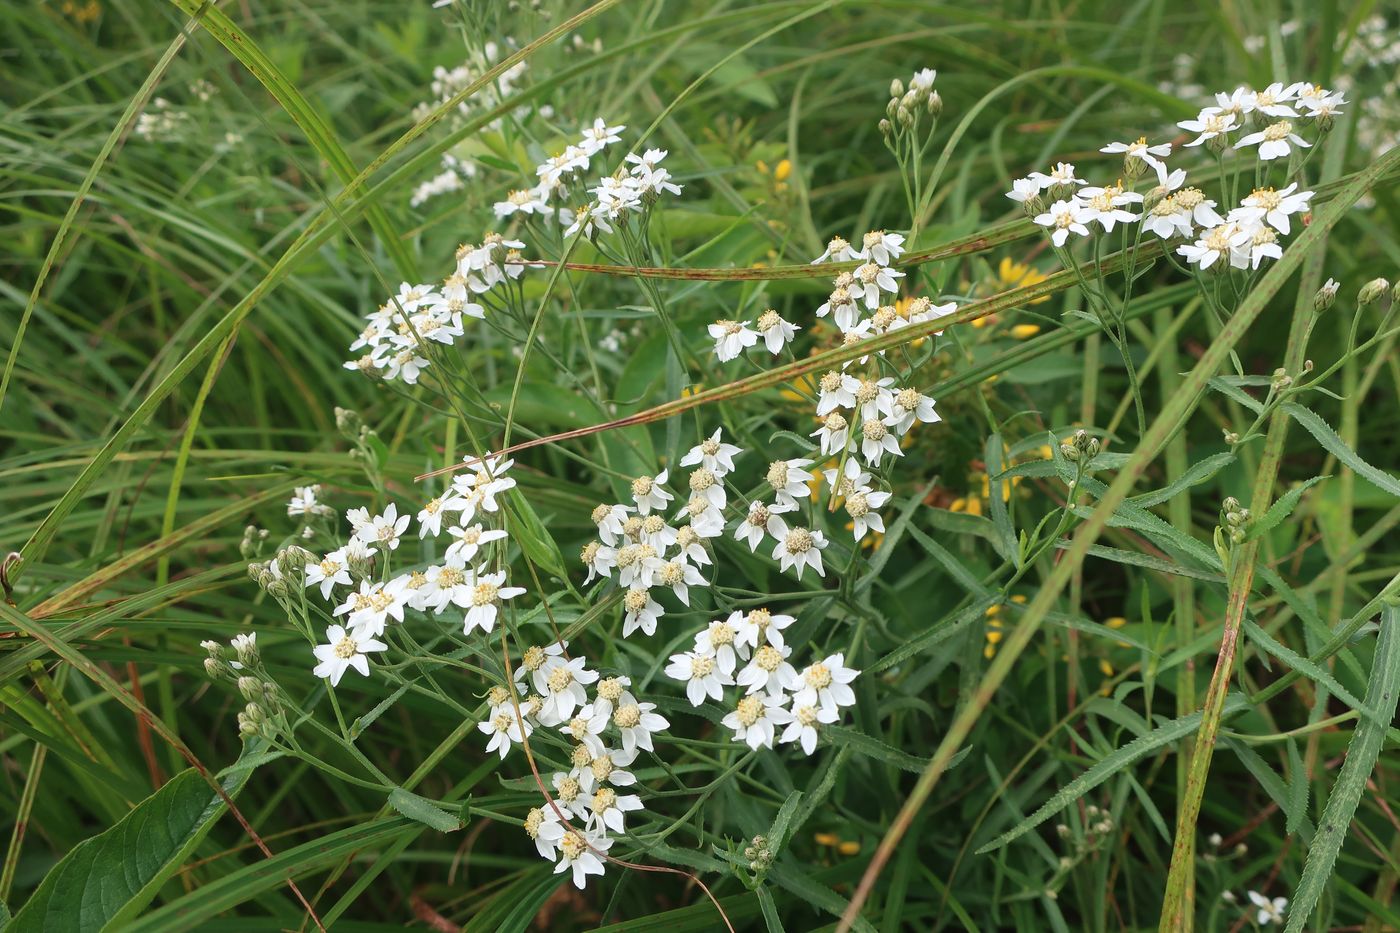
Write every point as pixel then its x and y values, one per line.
pixel 761 627
pixel 861 506
pixel 1065 217
pixel 523 201
pixel 360 522
pixel 606 808
pixel 907 407
pixel 872 397
pixel 834 391
pixel 561 683
pixel 703 482
pixel 838 250
pixel 1106 204
pixel 1272 101
pixel 505 729
pixel 546 842
pixel 768 670
pixel 371 606
pixel 761 520
pixel 1210 123
pixel 700 673
pixel 649 493
pixel 731 338
pixel 871 279
pixel 637 723
pixel 430 518
pixel 417 591
pixel 1214 244
pixel 578 851
pixel 468 541
pixel 923 80
pixel 1261 244
pixel 755 719
pixel 609 519
pixel 607 767
pixel 341 651
pixel 586 728
pixel 706 519
pixel 612 691
pixel 804 722
pixel 679 576
pixel 640 611
pixel 777 333
pixel 876 441
pixel 825 683
pixel 1200 208
pixel 713 454
pixel 788 480
pixel 448 585
pixel 1061 175
pixel 385 528
pixel 832 434
pixel 569 793
pixel 1023 189
pixel 488 590
pixel 691 546
pixel 881 247
pixel 801 548
pixel 329 571
pixel 1273 207
pixel 637 565
pixel 1167 219
pixel 1270 911
pixel 304 502
pixel 1274 141
pixel 599 136
pixel 841 304
pixel 1139 149
pixel 718 640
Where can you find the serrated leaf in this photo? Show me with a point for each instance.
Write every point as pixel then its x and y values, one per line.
pixel 423 810
pixel 778 834
pixel 1382 691
pixel 1281 509
pixel 110 878
pixel 1332 441
pixel 770 911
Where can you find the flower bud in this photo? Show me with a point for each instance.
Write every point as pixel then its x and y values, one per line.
pixel 935 103
pixel 892 108
pixel 886 128
pixel 912 99
pixel 1372 291
pixel 896 88
pixel 1326 295
pixel 250 688
pixel 246 727
pixel 293 559
pixel 1070 452
pixel 348 423
pixel 215 668
pixel 905 117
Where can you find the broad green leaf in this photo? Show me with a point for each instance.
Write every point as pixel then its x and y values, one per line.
pixel 107 880
pixel 1382 692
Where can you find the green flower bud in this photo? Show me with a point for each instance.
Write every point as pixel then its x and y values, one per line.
pixel 1372 291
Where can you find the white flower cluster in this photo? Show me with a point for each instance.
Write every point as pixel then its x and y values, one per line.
pixel 462 582
pixel 1246 235
pixel 776 694
pixel 394 334
pixel 453 177
pixel 606 734
pixel 306 502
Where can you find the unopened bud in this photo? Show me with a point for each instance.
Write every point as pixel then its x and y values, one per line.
pixel 348 423
pixel 905 117
pixel 1372 291
pixel 935 103
pixel 1070 452
pixel 250 688
pixel 215 668
pixel 1231 438
pixel 886 127
pixel 892 108
pixel 1326 295
pixel 896 88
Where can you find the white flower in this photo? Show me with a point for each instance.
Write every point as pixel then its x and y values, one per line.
pixel 832 433
pixel 1261 244
pixel 1106 206
pixel 546 841
pixel 640 612
pixel 881 247
pixel 304 502
pixel 760 627
pixel 1061 174
pixel 825 683
pixel 717 640
pixel 713 454
pixel 637 723
pixel 372 605
pixel 801 548
pixel 754 720
pixel 1210 123
pixel 606 808
pixel 1023 189
pixel 599 136
pixel 871 396
pixel 923 80
pixel 838 250
pixel 487 591
pixel 648 493
pixel 607 766
pixel 523 201
pixel 505 729
pixel 1273 140
pixel 1198 207
pixel 761 519
pixel 706 520
pixel 448 585
pixel 679 576
pixel 385 528
pixel 777 333
pixel 1214 244
pixel 561 683
pixel 1065 217
pixel 1273 100
pixel 768 670
pixel 586 728
pixel 1151 155
pixel 650 177
pixel 871 279
pixel 861 507
pixel 569 793
pixel 804 722
pixel 876 441
pixel 731 338
pixel 701 675
pixel 577 852
pixel 637 565
pixel 1167 219
pixel 835 391
pixel 1269 911
pixel 612 691
pixel 430 518
pixel 1273 207
pixel 788 479
pixel 705 484
pixel 343 650
pixel 842 302
pixel 657 533
pixel 688 541
pixel 908 406
pixel 329 571
pixel 468 541
pixel 609 519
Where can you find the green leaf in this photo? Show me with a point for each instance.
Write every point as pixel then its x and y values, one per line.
pixel 770 911
pixel 1281 509
pixel 1381 694
pixel 110 878
pixel 1135 750
pixel 778 834
pixel 1329 439
pixel 423 810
